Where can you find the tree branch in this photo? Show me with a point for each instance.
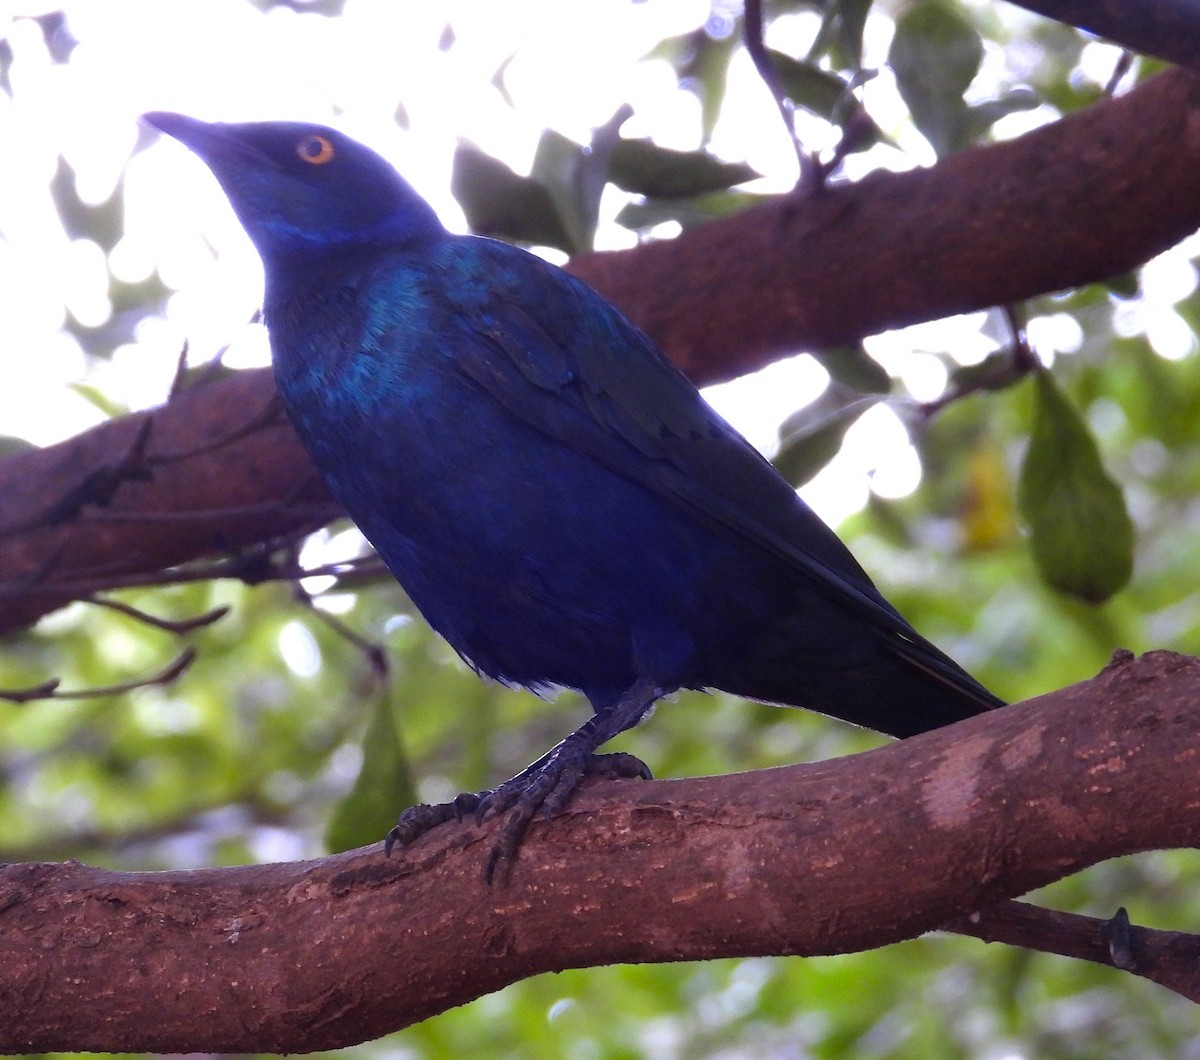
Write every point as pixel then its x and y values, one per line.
pixel 215 470
pixel 814 859
pixel 1092 195
pixel 1083 199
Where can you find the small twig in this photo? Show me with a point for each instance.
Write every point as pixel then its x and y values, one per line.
pixel 178 626
pixel 1022 353
pixel 98 486
pixel 1021 360
pixel 856 127
pixel 757 49
pixel 375 653
pixel 50 689
pixel 367 568
pixel 1168 956
pixel 1122 66
pixel 45 690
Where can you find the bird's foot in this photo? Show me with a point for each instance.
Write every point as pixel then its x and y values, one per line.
pixel 417 820
pixel 546 787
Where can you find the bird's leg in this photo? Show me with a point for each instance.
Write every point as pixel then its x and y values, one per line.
pixel 546 785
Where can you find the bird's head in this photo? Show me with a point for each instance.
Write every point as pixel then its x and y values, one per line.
pixel 300 188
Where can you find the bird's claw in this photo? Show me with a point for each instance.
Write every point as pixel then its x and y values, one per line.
pixel 618 766
pixel 417 820
pixel 547 789
pixel 467 803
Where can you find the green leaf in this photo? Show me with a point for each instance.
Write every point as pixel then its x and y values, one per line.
pixel 499 79
pixel 575 177
pixel 701 64
pixel 499 202
pixel 594 169
pixel 556 165
pixel 641 215
pixel 645 168
pixel 826 94
pixel 10 444
pixel 935 56
pixel 1080 530
pixel 855 368
pixel 1125 285
pixel 811 437
pixel 841 32
pixel 384 786
pixel 982 116
pixel 96 397
pixel 808 85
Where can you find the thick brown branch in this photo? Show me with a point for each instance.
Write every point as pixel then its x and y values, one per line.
pixel 887 844
pixel 1083 199
pixel 194 483
pixel 1090 196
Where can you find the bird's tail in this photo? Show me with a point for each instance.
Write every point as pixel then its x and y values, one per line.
pixel 896 684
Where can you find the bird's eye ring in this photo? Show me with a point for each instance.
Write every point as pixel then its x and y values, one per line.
pixel 315 149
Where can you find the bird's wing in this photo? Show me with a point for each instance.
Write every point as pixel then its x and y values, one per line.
pixel 562 359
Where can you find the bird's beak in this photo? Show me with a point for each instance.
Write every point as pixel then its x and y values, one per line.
pixel 213 142
pixel 189 131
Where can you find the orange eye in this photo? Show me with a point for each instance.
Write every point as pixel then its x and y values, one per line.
pixel 315 149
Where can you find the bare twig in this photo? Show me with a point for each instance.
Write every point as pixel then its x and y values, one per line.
pixel 97 487
pixel 375 653
pixel 757 49
pixel 170 625
pixel 50 689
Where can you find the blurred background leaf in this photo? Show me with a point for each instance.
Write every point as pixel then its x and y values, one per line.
pixel 1079 527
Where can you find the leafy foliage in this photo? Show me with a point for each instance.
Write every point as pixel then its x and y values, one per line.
pixel 936 55
pixel 558 204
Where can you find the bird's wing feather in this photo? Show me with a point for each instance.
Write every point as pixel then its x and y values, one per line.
pixel 577 370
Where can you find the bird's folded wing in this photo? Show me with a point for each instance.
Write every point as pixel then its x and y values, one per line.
pixel 578 371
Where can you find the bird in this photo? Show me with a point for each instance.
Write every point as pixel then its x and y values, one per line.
pixel 556 498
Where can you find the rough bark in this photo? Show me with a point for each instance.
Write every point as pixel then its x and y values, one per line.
pixel 812 859
pixel 1089 196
